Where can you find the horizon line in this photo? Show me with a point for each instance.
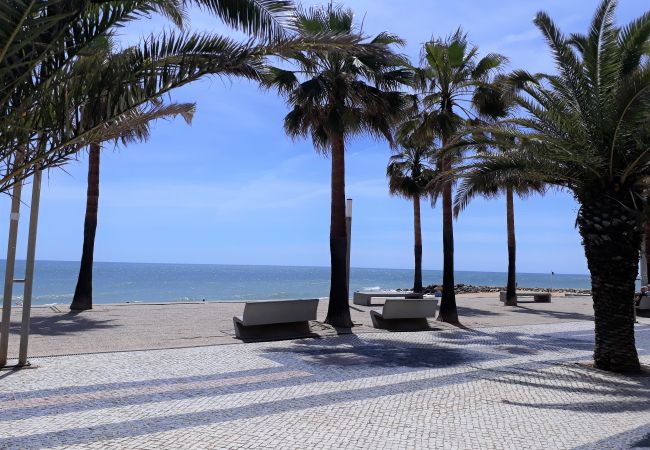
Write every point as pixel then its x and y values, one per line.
pixel 2 260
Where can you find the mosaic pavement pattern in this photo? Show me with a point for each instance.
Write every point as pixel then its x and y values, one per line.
pixel 506 387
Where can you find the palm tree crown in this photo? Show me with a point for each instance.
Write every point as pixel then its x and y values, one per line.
pixel 340 94
pixel 410 172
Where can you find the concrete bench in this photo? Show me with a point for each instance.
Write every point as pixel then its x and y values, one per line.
pixel 365 298
pixel 538 297
pixel 404 314
pixel 275 319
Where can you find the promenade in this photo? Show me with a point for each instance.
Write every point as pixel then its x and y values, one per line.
pixel 526 385
pixel 139 326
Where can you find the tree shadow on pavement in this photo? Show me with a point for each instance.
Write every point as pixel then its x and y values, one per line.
pixel 62 324
pixel 573 316
pixel 604 393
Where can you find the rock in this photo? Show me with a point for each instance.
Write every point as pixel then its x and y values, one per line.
pixel 462 288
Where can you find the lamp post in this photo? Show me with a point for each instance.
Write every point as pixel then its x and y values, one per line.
pixel 348 224
pixel 644 263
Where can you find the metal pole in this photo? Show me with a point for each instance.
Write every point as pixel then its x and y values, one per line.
pixel 29 268
pixel 644 263
pixel 11 263
pixel 348 223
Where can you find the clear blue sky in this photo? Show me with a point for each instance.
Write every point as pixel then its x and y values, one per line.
pixel 233 189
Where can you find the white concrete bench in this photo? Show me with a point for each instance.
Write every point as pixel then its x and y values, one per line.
pixel 365 298
pixel 275 319
pixel 538 297
pixel 404 313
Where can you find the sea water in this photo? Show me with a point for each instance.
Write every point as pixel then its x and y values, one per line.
pixel 113 282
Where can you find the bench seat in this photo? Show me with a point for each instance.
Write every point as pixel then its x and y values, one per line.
pixel 404 314
pixel 275 319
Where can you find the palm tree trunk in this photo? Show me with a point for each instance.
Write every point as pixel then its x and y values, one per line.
pixel 448 311
pixel 83 294
pixel 417 228
pixel 511 289
pixel 338 312
pixel 646 247
pixel 611 234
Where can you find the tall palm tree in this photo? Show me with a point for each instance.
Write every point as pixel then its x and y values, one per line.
pixel 587 130
pixel 333 96
pixel 409 173
pixel 450 72
pixel 130 128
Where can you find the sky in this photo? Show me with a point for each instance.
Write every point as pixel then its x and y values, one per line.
pixel 232 188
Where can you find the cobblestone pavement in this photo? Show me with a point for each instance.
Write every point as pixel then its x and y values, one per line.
pixel 499 387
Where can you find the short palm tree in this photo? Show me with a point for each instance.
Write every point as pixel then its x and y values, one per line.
pixel 495 102
pixel 477 182
pixel 409 174
pixel 334 96
pixel 450 73
pixel 587 130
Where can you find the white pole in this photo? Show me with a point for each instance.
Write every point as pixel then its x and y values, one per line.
pixel 10 268
pixel 348 223
pixel 644 263
pixel 29 269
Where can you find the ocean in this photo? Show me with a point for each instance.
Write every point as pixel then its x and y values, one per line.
pixel 55 281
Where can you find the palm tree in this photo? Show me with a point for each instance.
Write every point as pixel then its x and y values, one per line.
pixel 333 96
pixel 488 184
pixel 130 128
pixel 494 102
pixel 451 71
pixel 587 131
pixel 409 173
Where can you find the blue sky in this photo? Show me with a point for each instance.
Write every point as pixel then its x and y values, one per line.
pixel 233 189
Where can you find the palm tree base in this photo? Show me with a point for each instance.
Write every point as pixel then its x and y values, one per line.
pixel 618 367
pixel 340 321
pixel 448 319
pixel 80 307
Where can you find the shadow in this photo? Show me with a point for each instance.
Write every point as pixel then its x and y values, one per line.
pixel 364 356
pixel 571 316
pixel 644 442
pixel 616 393
pixel 303 366
pixel 464 311
pixel 61 324
pixel 312 396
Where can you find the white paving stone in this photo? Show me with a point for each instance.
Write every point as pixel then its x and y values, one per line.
pixel 507 387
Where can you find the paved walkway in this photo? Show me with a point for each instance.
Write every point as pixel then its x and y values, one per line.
pixel 499 387
pixel 57 331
